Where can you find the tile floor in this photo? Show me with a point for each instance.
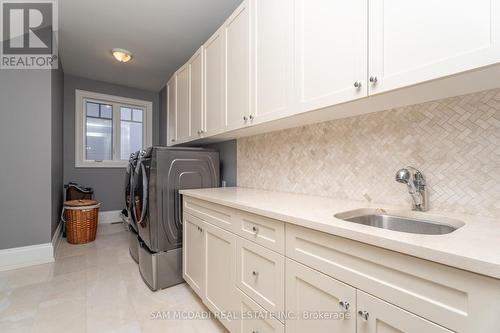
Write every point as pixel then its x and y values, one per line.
pixel 95 288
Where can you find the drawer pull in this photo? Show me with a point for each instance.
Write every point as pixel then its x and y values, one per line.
pixel 255 229
pixel 364 315
pixel 255 273
pixel 344 305
pixel 255 331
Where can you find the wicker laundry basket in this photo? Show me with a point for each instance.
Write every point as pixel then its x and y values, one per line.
pixel 81 217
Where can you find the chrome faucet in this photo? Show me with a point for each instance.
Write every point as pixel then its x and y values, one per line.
pixel 415 182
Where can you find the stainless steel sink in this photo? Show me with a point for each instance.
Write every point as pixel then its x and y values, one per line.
pixel 402 221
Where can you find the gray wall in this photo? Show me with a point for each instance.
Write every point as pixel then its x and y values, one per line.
pixel 57 110
pixel 108 183
pixel 163 117
pixel 25 150
pixel 227 150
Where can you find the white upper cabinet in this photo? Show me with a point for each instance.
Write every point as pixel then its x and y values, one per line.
pixel 214 86
pixel 238 70
pixel 182 101
pixel 417 41
pixel 196 93
pixel 330 52
pixel 272 59
pixel 171 112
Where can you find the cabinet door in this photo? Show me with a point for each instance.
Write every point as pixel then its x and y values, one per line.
pixel 272 57
pixel 417 41
pixel 330 51
pixel 214 93
pixel 196 93
pixel 171 112
pixel 182 100
pixel 311 295
pixel 193 265
pixel 377 316
pixel 220 288
pixel 237 37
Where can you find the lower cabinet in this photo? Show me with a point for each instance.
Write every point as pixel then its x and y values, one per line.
pixel 317 303
pixel 193 265
pixel 219 258
pixel 324 283
pixel 377 316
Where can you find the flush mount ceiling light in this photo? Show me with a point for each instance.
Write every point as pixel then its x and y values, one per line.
pixel 121 55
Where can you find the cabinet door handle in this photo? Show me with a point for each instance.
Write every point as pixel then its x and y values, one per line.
pixel 255 273
pixel 344 305
pixel 364 315
pixel 357 84
pixel 373 79
pixel 245 118
pixel 251 117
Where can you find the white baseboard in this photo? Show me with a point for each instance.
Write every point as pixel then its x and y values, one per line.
pixel 110 216
pixel 26 256
pixel 56 239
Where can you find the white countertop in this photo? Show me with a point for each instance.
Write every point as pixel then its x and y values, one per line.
pixel 474 247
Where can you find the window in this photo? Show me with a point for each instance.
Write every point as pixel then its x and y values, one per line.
pixel 98 132
pixel 110 128
pixel 131 131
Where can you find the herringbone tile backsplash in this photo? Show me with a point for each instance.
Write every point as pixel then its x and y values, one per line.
pixel 455 142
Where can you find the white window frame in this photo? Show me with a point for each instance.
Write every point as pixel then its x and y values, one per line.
pixel 81 97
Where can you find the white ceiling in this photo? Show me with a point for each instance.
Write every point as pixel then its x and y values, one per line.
pixel 161 34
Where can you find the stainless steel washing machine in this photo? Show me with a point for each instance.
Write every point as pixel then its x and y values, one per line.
pixel 160 173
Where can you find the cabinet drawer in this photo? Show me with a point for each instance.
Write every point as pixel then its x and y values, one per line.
pixel 380 316
pixel 260 274
pixel 262 230
pixel 218 215
pixel 255 319
pixel 447 296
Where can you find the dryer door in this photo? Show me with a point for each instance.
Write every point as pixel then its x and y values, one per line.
pixel 130 178
pixel 128 192
pixel 141 199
